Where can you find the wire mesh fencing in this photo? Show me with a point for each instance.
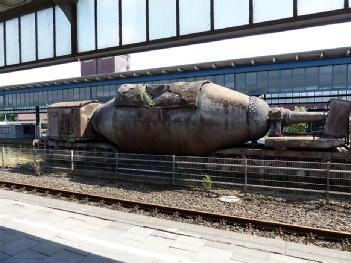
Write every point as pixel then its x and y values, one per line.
pixel 244 173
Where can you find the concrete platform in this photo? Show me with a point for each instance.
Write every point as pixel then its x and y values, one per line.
pixel 37 229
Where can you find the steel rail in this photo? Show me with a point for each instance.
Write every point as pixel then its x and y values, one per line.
pixel 323 233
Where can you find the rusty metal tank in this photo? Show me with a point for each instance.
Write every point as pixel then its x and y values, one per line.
pixel 194 118
pixel 70 121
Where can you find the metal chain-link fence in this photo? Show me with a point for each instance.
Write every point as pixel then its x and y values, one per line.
pixel 244 173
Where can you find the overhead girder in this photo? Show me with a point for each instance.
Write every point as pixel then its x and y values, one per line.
pixel 14 8
pixel 176 37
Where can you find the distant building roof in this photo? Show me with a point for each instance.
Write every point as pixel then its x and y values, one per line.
pixel 263 60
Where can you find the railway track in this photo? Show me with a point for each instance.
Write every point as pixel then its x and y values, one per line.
pixel 320 233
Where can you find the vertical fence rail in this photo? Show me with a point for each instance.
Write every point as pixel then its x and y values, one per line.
pixel 116 158
pixel 33 156
pixel 245 175
pixel 72 161
pixel 328 180
pixel 3 156
pixel 173 169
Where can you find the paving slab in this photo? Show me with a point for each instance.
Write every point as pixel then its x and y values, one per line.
pixel 17 246
pixel 50 230
pixel 315 253
pixel 65 256
pixel 47 249
pixel 27 256
pixel 211 254
pixel 4 257
pixel 188 243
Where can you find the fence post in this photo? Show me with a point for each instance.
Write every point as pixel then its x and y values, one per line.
pixel 3 156
pixel 33 156
pixel 173 169
pixel 328 180
pixel 72 161
pixel 116 157
pixel 245 175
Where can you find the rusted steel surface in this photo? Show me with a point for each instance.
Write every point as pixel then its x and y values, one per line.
pixel 70 121
pixel 280 117
pixel 195 118
pixel 175 95
pixel 337 123
pixel 271 225
pixel 264 153
pixel 71 104
pixel 293 117
pixel 303 142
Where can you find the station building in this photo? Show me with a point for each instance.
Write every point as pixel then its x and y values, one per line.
pixel 308 78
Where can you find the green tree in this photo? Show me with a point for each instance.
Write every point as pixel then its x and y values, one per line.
pixel 9 116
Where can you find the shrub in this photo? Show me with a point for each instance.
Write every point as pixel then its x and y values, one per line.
pixel 148 99
pixel 36 166
pixel 206 182
pixel 299 127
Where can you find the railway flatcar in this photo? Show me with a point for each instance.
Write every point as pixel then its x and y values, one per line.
pixel 197 118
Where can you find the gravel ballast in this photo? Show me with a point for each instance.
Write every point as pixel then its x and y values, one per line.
pixel 295 209
pixel 306 211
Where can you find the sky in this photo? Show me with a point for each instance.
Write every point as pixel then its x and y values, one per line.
pixel 315 38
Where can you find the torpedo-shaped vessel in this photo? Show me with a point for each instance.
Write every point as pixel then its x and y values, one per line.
pixel 194 118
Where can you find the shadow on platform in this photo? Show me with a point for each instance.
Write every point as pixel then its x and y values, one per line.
pixel 19 247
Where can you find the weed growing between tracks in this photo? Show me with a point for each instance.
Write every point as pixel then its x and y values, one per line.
pixel 206 182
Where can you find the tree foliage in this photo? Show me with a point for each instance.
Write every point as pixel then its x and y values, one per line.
pixel 9 117
pixel 299 127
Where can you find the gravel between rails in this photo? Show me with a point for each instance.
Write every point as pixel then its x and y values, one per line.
pixel 307 211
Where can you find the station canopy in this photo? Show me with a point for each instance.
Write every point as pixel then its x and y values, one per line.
pixel 8 4
pixel 39 32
